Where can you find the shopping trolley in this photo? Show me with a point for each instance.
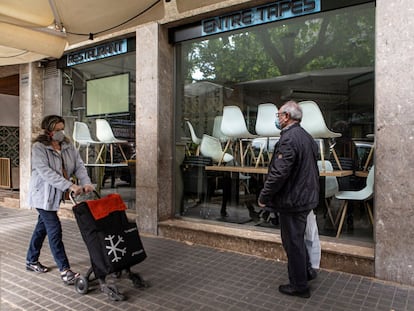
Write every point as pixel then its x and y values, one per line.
pixel 113 243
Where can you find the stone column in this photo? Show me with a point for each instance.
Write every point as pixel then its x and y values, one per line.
pixel 394 135
pixel 154 127
pixel 30 115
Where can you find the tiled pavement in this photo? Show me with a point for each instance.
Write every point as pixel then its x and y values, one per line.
pixel 183 277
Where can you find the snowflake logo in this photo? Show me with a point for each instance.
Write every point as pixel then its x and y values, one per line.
pixel 114 249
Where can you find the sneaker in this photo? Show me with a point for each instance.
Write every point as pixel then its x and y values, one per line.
pixel 69 277
pixel 36 267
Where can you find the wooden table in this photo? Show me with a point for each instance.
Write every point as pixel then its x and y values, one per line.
pixel 263 170
pixel 361 173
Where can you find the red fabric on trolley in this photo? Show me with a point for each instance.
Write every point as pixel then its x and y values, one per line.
pixel 102 207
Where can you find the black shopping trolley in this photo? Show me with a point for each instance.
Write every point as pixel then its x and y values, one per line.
pixel 113 243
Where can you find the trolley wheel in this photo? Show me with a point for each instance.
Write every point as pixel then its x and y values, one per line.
pixel 138 281
pixel 112 292
pixel 81 285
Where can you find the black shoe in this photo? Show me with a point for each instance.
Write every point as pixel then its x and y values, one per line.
pixel 36 267
pixel 291 291
pixel 312 274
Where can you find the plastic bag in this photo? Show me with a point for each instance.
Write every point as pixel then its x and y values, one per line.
pixel 312 241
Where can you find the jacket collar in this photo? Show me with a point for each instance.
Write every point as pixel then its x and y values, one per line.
pixel 290 126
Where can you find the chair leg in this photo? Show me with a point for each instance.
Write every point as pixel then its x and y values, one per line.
pixel 260 156
pixel 100 154
pixel 328 208
pixel 343 214
pixel 250 148
pixel 336 159
pixel 122 152
pixel 87 154
pixel 111 152
pixel 224 152
pixel 242 154
pixel 369 210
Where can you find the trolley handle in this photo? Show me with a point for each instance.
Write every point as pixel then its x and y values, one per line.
pixel 75 199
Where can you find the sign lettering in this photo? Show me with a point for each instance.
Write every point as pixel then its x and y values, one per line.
pixel 97 52
pixel 279 10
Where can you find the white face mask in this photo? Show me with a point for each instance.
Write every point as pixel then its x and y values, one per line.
pixel 58 136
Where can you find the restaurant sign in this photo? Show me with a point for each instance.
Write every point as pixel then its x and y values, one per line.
pixel 97 52
pixel 272 12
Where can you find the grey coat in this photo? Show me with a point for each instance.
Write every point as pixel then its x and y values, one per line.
pixel 47 182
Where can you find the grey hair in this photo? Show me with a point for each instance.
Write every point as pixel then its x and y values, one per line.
pixel 293 109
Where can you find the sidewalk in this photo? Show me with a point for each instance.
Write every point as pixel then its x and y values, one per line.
pixel 183 277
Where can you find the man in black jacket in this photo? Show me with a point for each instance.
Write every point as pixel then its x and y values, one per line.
pixel 292 190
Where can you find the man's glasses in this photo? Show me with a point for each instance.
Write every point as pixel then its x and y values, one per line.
pixel 280 113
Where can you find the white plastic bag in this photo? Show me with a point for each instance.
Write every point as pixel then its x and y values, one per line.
pixel 312 242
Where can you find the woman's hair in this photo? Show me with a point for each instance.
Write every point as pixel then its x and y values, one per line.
pixel 49 122
pixel 47 125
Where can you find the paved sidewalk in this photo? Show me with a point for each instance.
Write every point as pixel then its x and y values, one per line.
pixel 183 277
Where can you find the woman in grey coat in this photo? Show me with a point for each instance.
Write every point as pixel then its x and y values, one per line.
pixel 54 160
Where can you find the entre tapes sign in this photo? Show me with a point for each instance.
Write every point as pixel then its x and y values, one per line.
pixel 272 12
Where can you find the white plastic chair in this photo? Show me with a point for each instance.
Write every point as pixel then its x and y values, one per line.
pixel 217 129
pixel 211 147
pixel 265 121
pixel 195 139
pixel 82 137
pixel 314 123
pixel 105 135
pixel 361 195
pixel 265 126
pixel 233 125
pixel 331 187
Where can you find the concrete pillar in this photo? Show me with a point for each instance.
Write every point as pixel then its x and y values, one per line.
pixel 154 127
pixel 31 113
pixel 394 135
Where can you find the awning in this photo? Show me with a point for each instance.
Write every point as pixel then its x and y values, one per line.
pixel 32 30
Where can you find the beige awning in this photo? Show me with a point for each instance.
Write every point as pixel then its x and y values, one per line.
pixel 32 30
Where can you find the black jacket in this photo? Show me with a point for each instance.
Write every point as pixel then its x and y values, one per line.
pixel 292 183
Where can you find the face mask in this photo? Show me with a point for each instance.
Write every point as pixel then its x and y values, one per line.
pixel 277 124
pixel 58 136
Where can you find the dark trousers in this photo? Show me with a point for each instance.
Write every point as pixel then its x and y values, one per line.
pixel 292 229
pixel 48 224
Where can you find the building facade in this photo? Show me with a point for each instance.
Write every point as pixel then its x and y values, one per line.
pixel 351 60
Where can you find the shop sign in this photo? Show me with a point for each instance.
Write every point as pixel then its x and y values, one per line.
pixel 97 52
pixel 272 12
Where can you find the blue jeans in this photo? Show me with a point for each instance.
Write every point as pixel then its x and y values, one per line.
pixel 48 224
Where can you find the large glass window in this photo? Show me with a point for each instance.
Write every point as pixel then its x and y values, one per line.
pixel 327 58
pixel 104 90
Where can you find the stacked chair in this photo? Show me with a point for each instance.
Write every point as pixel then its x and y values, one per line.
pixel 82 138
pixel 265 127
pixel 106 136
pixel 233 126
pixel 314 123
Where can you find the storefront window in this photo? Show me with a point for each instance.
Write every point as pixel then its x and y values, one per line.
pixel 103 89
pixel 327 58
